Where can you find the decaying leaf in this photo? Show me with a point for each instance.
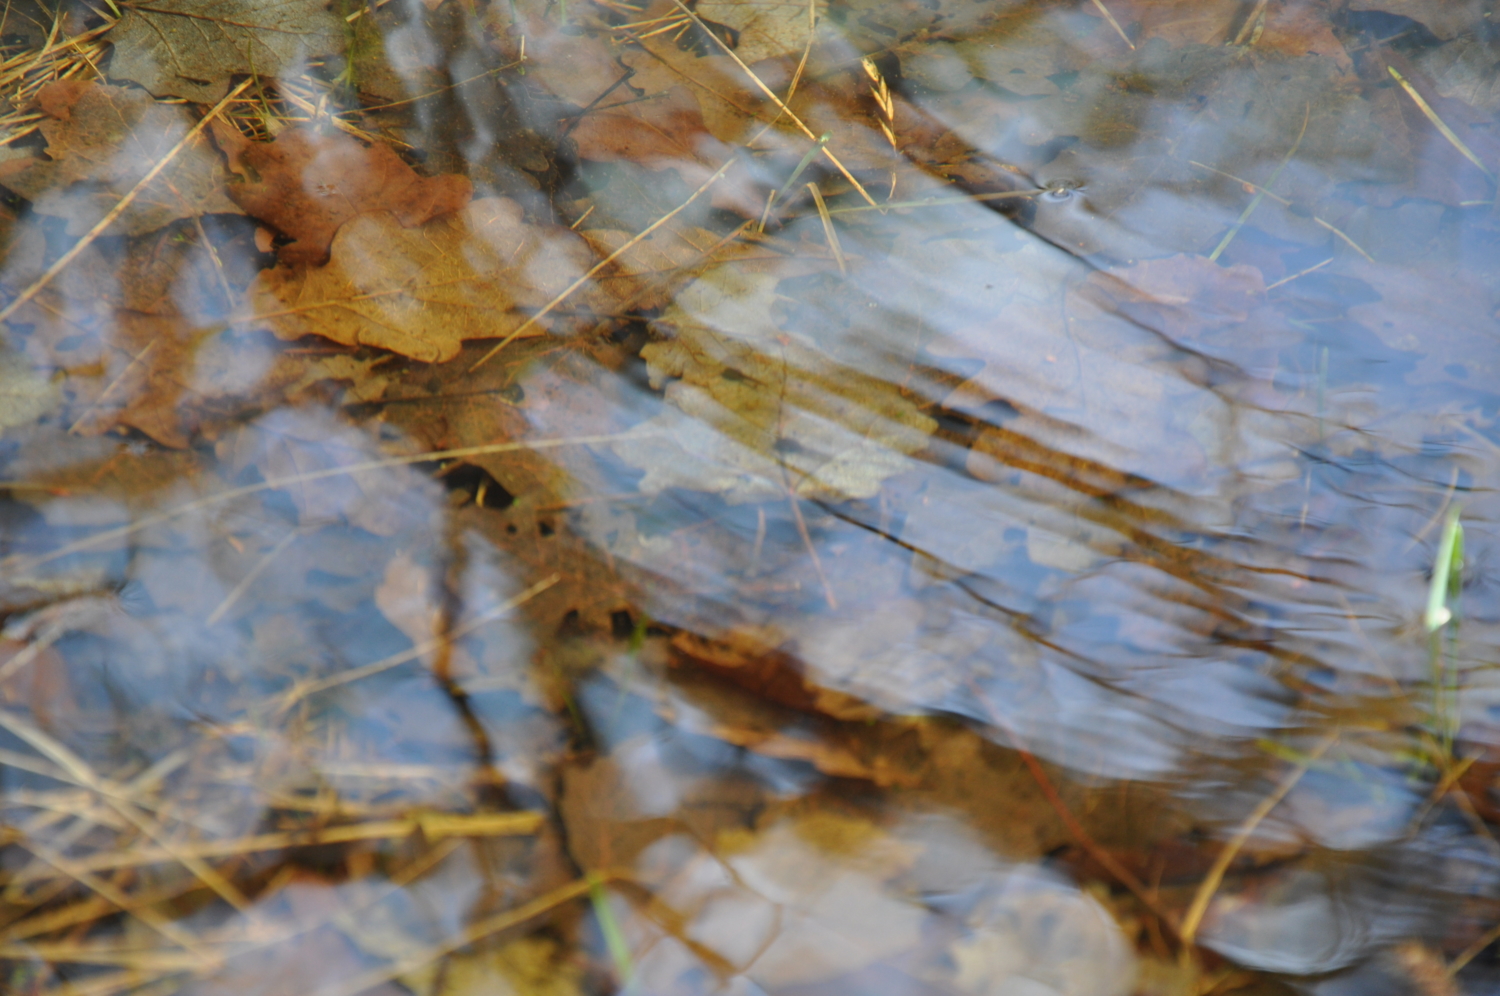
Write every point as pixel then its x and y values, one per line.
pixel 422 292
pixel 190 48
pixel 758 415
pixel 409 600
pixel 1444 18
pixel 646 275
pixel 1177 296
pixel 666 131
pixel 1466 69
pixel 537 965
pixel 1458 348
pixel 308 182
pixel 101 140
pixel 806 899
pixel 747 659
pixel 1039 934
pixel 25 395
pixel 1017 58
pixel 761 30
pixel 149 365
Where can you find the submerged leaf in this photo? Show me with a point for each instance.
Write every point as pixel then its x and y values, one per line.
pixel 308 182
pixel 25 395
pixel 757 31
pixel 422 292
pixel 101 140
pixel 759 415
pixel 190 48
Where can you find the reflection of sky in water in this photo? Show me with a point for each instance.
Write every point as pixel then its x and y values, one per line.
pixel 1139 522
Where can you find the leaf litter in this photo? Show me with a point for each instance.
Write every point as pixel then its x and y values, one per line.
pixel 477 474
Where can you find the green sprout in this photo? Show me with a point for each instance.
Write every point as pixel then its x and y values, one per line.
pixel 1447 584
pixel 1447 574
pixel 609 926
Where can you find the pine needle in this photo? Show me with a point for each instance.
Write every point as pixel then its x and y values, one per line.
pixel 1439 123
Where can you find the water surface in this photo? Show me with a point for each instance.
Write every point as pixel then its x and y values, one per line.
pixel 752 498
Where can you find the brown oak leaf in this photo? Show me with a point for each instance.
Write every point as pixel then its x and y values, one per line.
pixel 101 140
pixel 421 293
pixel 308 182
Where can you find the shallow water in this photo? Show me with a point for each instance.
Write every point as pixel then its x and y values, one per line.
pixel 911 498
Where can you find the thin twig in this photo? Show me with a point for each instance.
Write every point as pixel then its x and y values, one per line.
pixel 1054 799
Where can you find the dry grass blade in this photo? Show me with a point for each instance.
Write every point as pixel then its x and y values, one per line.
pixel 427 646
pixel 1300 273
pixel 157 962
pixel 249 578
pixel 89 909
pixel 834 246
pixel 1439 123
pixel 817 562
pixel 92 812
pixel 21 564
pixel 433 826
pixel 114 213
pixel 1286 203
pixel 120 900
pixel 928 202
pixel 568 291
pixel 117 799
pixel 1248 30
pixel 97 403
pixel 31 652
pixel 780 104
pixel 1261 192
pixel 137 983
pixel 1473 951
pixel 1103 10
pixel 21 76
pixel 881 91
pixel 1193 918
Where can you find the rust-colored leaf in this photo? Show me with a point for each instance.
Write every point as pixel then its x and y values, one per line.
pixel 422 293
pixel 308 182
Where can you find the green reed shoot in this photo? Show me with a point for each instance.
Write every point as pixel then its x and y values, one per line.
pixel 609 926
pixel 1442 596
